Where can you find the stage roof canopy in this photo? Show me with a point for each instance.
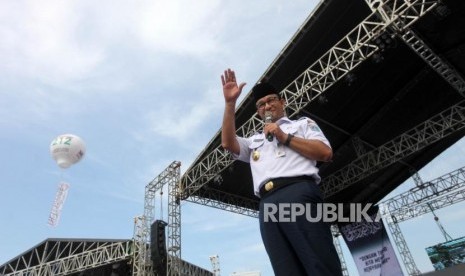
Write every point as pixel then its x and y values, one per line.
pixel 386 117
pixel 59 256
pixel 72 256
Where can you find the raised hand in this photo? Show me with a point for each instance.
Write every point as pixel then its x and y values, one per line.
pixel 231 90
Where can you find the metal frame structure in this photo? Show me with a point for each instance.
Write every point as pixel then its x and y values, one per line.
pixel 65 257
pixel 348 53
pixel 436 128
pixel 186 268
pixel 438 193
pixel 215 260
pixel 393 16
pixel 336 234
pixel 227 202
pixel 141 255
pixel 419 46
pixel 441 66
pixel 141 260
pixel 401 244
pixel 174 219
pixel 424 198
pixel 439 126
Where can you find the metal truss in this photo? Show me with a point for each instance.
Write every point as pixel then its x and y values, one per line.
pixel 350 51
pixel 140 258
pixel 400 242
pixel 419 46
pixel 337 245
pixel 65 262
pixel 413 211
pixel 141 255
pixel 215 260
pixel 188 269
pixel 359 146
pixel 400 204
pixel 174 220
pixel 227 202
pixel 347 54
pixel 424 198
pixel 441 66
pixel 436 128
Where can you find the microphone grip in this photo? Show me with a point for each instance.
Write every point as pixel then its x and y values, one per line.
pixel 268 119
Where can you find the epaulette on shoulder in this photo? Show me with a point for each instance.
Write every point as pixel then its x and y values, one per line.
pixel 308 120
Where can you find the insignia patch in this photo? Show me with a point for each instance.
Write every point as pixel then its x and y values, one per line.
pixel 255 155
pixel 315 128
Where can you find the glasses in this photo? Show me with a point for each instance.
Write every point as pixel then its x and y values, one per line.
pixel 271 100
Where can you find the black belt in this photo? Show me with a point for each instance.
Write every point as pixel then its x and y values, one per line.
pixel 277 183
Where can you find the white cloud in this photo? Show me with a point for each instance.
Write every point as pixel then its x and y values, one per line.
pixel 180 120
pixel 38 41
pixel 252 248
pixel 179 27
pixel 60 41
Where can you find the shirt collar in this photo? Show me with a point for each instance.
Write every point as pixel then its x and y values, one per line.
pixel 283 120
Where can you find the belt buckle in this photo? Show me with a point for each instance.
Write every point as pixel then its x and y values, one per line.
pixel 268 186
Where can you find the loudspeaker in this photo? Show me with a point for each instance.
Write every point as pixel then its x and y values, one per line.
pixel 158 246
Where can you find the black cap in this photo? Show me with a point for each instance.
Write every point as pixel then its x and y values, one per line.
pixel 263 89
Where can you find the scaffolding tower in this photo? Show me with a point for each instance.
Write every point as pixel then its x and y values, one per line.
pixel 424 198
pixel 141 256
pixel 215 260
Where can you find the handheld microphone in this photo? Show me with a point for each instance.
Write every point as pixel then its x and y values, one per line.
pixel 268 119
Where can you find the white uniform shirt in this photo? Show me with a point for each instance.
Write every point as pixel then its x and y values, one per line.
pixel 275 159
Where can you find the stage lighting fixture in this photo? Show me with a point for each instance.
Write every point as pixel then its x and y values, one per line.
pixel 322 99
pixel 377 57
pixel 218 180
pixel 385 41
pixel 350 78
pixel 442 11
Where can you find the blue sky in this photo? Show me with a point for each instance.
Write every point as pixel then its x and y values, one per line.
pixel 139 82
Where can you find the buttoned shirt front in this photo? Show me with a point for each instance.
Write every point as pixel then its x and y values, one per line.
pixel 270 160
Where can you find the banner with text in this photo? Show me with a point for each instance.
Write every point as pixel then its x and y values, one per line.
pixel 370 246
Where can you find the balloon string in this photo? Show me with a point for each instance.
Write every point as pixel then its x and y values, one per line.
pixel 62 173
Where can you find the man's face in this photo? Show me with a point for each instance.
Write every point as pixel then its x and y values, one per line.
pixel 271 103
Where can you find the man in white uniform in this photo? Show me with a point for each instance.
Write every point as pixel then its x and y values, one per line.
pixel 283 162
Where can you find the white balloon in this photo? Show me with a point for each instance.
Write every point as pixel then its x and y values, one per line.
pixel 67 149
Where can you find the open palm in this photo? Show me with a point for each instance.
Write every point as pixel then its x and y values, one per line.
pixel 231 90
